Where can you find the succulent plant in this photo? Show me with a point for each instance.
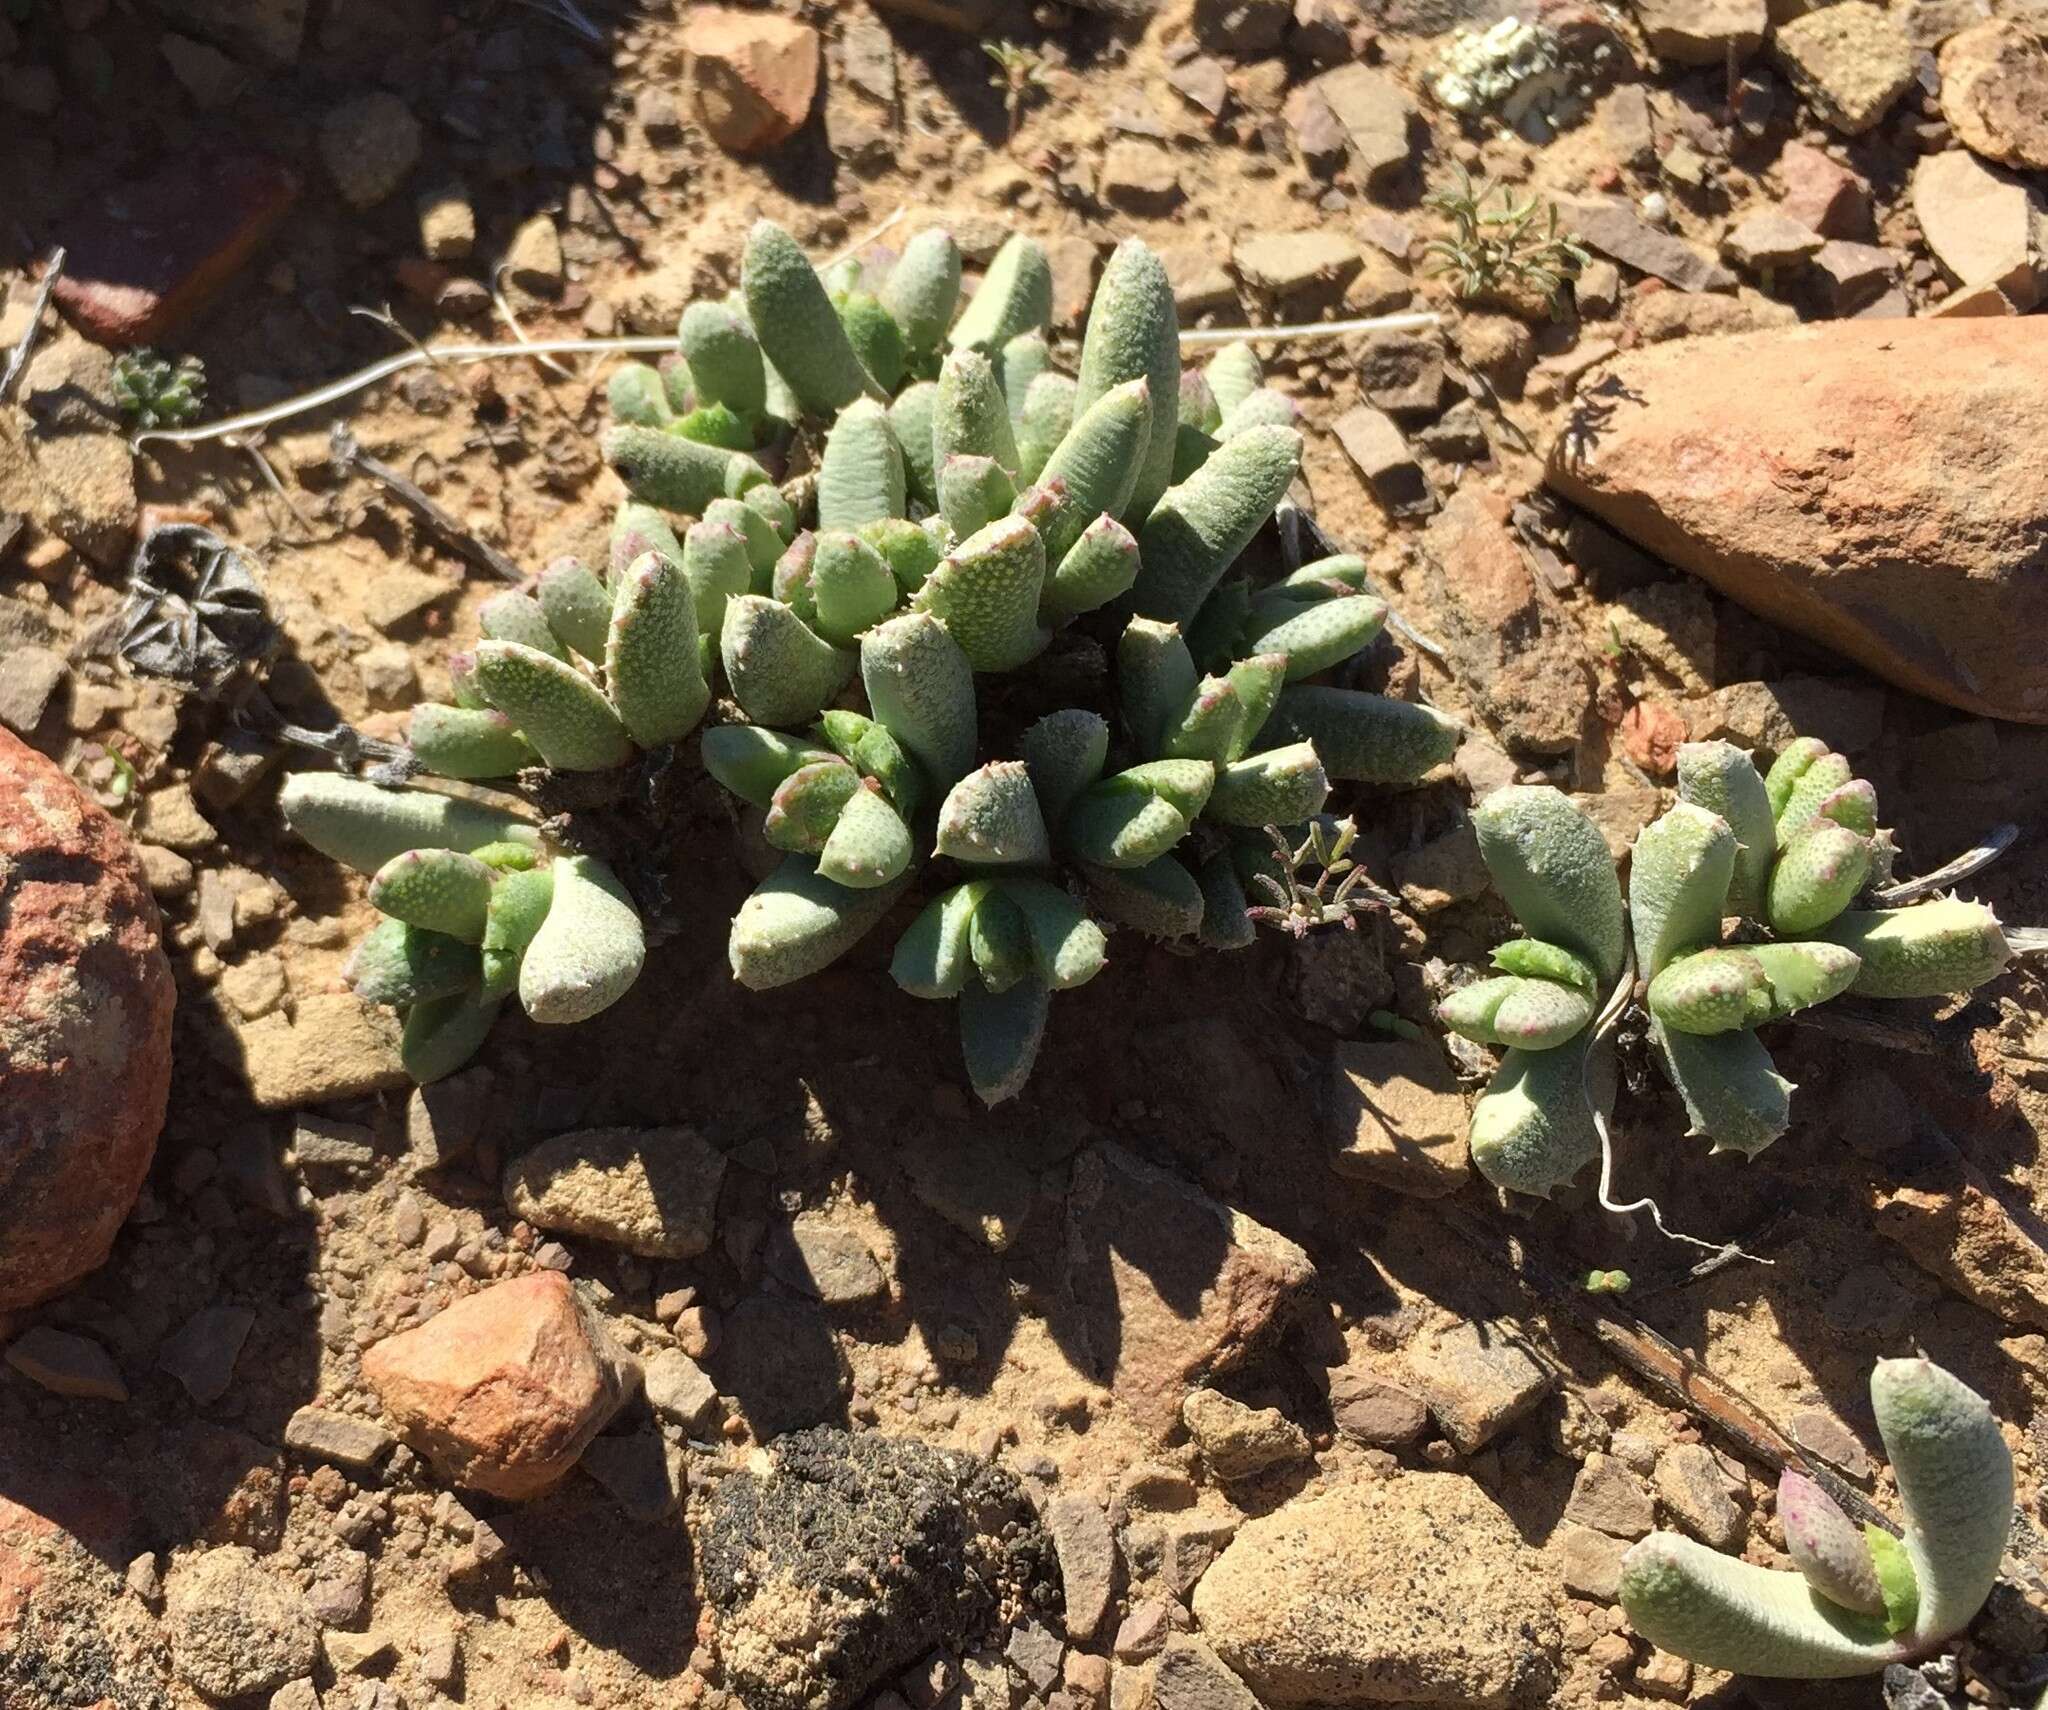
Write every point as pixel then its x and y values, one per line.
pixel 975 528
pixel 1783 857
pixel 155 392
pixel 1861 1598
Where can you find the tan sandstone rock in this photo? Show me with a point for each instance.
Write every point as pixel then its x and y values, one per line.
pixel 1409 1590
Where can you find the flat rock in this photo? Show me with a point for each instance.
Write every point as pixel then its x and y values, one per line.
pixel 1304 269
pixel 1190 1676
pixel 67 1365
pixel 1140 177
pixel 88 493
pixel 1822 194
pixel 1170 1284
pixel 1979 221
pixel 1851 61
pixel 269 34
pixel 1769 239
pixel 1087 1556
pixel 1956 1229
pixel 1613 228
pixel 826 1262
pixel 1703 32
pixel 1398 1118
pixel 1880 497
pixel 973 1181
pixel 1506 634
pixel 755 75
pixel 652 1191
pixel 138 268
pixel 203 1352
pixel 1589 1562
pixel 503 1390
pixel 1380 124
pixel 1369 1409
pixel 85 1028
pixel 1380 454
pixel 1300 1607
pixel 1478 1379
pixel 1240 1442
pixel 679 1390
pixel 369 144
pixel 1694 1491
pixel 1994 93
pixel 336 1047
pixel 777 1358
pixel 325 1435
pixel 834 1561
pixel 236 1629
pixel 1609 1498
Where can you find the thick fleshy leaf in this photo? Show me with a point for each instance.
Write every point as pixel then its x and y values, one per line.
pixel 664 468
pixel 806 805
pixel 1000 1033
pixel 637 529
pixel 724 357
pixel 519 908
pixel 1133 333
pixel 861 475
pixel 400 965
pixel 1527 1014
pixel 973 492
pixel 1817 875
pixel 910 416
pixel 1932 949
pixel 1015 296
pixel 999 939
pixel 852 586
pixel 1199 527
pixel 1711 991
pixel 719 563
pixel 441 1034
pixel 1067 948
pixel 1827 1547
pixel 437 890
pixel 920 685
pixel 869 845
pixel 1156 679
pixel 1315 634
pixel 518 617
pixel 1537 960
pixel 1721 778
pixel 781 671
pixel 970 417
pixel 577 606
pixel 1225 923
pixel 1101 566
pixel 1281 786
pixel 798 328
pixel 1733 1093
pixel 1047 416
pixel 1064 752
pixel 991 818
pixel 1678 879
pixel 1365 738
pixel 562 712
pixel 467 742
pixel 932 958
pixel 1098 462
pixel 588 951
pixel 1532 1129
pixel 986 594
pixel 363 825
pixel 923 288
pixel 751 762
pixel 650 658
pixel 1160 899
pixel 798 921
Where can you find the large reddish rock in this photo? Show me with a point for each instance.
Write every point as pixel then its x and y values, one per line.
pixel 1875 485
pixel 505 1389
pixel 85 1028
pixel 151 255
pixel 756 75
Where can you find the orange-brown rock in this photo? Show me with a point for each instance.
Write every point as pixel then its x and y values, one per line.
pixel 505 1389
pixel 85 1028
pixel 755 74
pixel 1876 486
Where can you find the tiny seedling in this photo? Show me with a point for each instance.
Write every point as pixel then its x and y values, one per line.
pixel 155 392
pixel 1019 76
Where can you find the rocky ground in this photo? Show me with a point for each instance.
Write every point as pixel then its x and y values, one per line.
pixel 726 1352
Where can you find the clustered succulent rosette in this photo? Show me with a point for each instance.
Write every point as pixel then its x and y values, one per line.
pixel 965 502
pixel 1861 1598
pixel 1739 903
